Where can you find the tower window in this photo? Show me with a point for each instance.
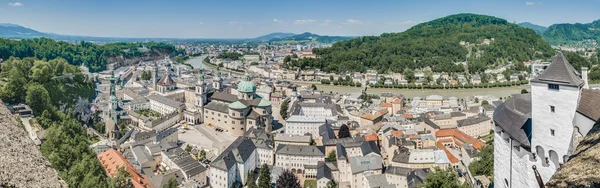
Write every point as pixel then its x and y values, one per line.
pixel 553 86
pixel 552 132
pixel 552 109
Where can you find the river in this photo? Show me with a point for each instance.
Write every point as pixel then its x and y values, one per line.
pixel 197 63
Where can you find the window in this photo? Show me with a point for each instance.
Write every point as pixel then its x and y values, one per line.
pixel 551 108
pixel 553 86
pixel 552 132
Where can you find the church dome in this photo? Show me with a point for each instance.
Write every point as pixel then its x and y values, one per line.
pixel 246 86
pixel 264 103
pixel 237 105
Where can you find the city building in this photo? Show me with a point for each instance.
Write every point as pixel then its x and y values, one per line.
pixel 536 133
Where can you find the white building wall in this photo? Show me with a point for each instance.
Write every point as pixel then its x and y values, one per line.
pixel 520 161
pixel 565 102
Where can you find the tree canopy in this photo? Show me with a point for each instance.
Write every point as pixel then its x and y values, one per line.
pixel 264 177
pixel 287 180
pixel 91 55
pixel 344 131
pixel 434 43
pixel 442 178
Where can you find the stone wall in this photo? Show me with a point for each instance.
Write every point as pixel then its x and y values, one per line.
pixel 21 161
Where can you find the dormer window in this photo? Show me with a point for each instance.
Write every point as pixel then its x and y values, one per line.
pixel 553 86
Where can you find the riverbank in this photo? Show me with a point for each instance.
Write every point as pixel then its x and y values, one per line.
pixel 410 93
pixel 198 63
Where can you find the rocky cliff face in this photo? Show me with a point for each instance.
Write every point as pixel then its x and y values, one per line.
pixel 582 168
pixel 21 161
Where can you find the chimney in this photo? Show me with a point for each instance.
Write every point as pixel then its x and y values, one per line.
pixel 584 77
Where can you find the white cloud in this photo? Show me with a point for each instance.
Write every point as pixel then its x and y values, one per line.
pixel 352 21
pixel 276 20
pixel 325 23
pixel 15 4
pixel 232 22
pixel 304 21
pixel 531 3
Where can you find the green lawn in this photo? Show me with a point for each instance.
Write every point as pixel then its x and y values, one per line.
pixel 310 183
pixel 149 113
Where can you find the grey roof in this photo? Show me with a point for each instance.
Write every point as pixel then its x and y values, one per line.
pixel 401 156
pixel 457 114
pixel 378 181
pixel 152 136
pixel 347 142
pixel 341 151
pixel 366 163
pixel 417 177
pixel 224 97
pixel 238 152
pixel 472 152
pixel 165 100
pixel 370 147
pixel 161 179
pixel 560 72
pixel 488 107
pixel 512 115
pixel 217 106
pixel 141 154
pixel 326 133
pixel 185 162
pixel 427 121
pixel 472 120
pixel 589 104
pixel 299 150
pixel 166 80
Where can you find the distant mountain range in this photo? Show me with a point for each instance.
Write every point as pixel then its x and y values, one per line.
pixel 566 33
pixel 272 36
pixel 537 28
pixel 13 31
pixel 308 37
pixel 16 31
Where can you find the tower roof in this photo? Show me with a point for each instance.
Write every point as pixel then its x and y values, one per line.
pixel 166 80
pixel 560 72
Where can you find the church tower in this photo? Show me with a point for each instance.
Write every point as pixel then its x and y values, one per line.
pixel 218 80
pixel 555 97
pixel 154 76
pixel 114 101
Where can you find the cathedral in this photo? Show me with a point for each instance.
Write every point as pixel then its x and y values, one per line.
pixel 234 113
pixel 536 133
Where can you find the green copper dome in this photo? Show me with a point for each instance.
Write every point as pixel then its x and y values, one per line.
pixel 264 103
pixel 237 105
pixel 246 86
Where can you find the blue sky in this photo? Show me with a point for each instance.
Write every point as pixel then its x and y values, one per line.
pixel 244 18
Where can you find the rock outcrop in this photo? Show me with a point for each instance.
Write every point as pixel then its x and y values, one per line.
pixel 21 161
pixel 582 168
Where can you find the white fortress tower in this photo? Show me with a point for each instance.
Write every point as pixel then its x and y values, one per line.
pixel 541 129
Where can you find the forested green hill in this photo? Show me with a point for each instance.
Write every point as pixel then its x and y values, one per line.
pixel 91 55
pixel 569 33
pixel 436 43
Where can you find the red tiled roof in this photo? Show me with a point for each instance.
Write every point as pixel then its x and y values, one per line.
pixel 397 133
pixel 384 104
pixel 461 136
pixel 440 145
pixel 371 137
pixel 407 116
pixel 112 159
pixel 372 117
